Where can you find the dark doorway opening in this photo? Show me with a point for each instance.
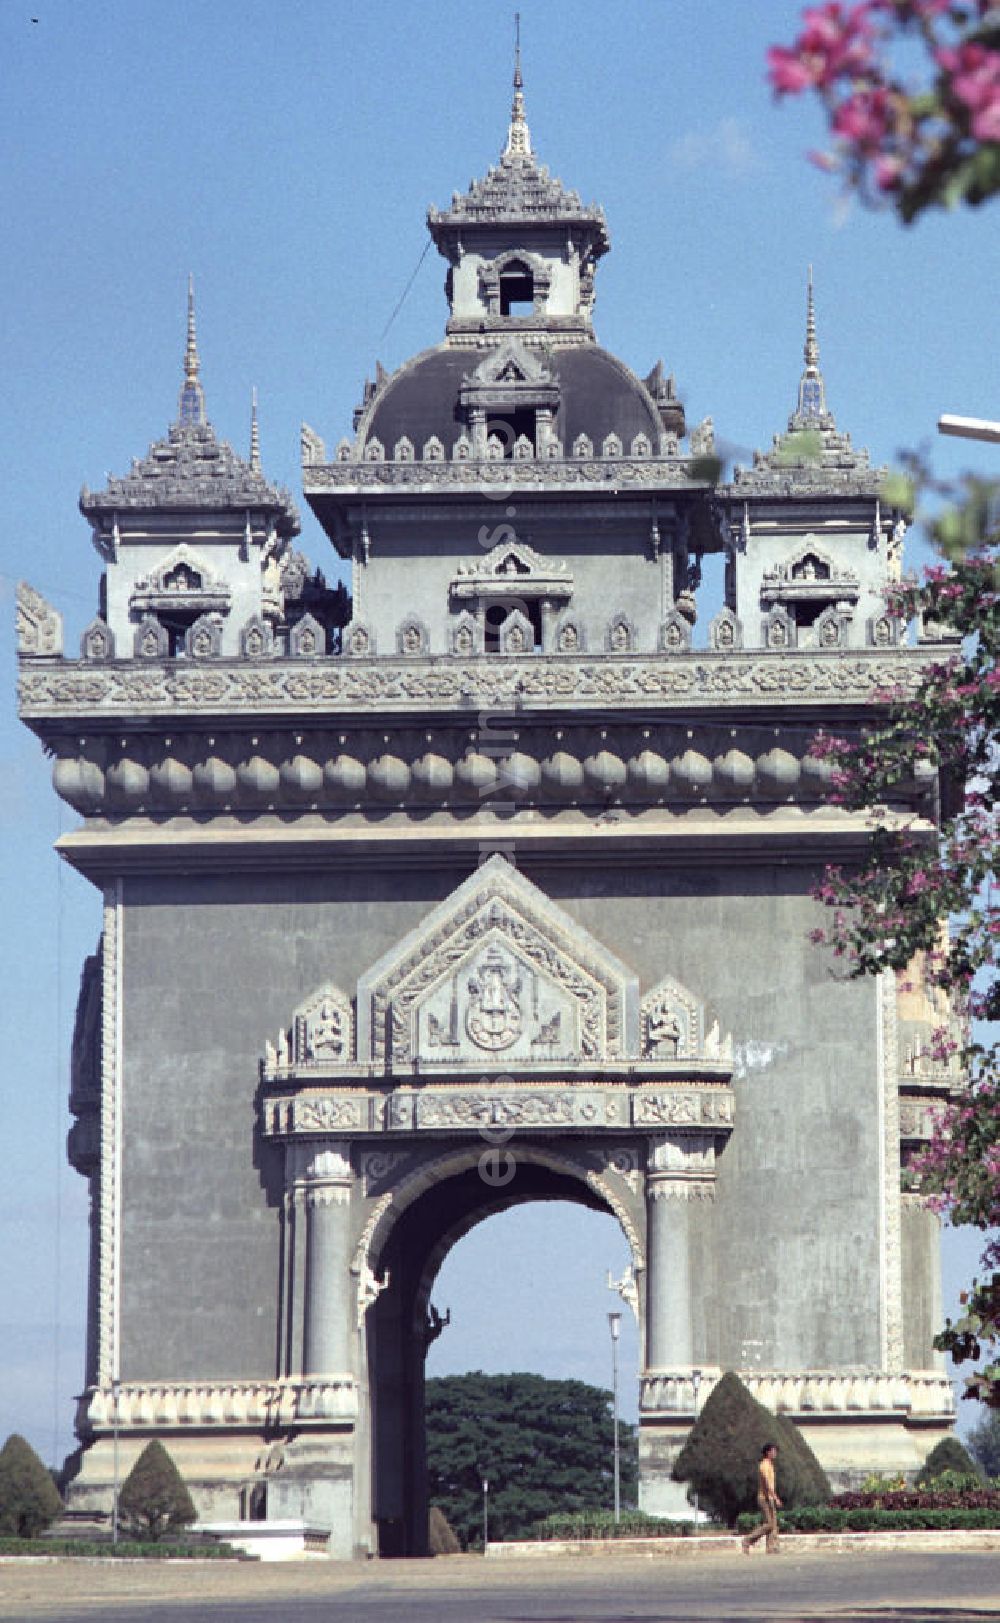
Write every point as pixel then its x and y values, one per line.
pixel 398 1333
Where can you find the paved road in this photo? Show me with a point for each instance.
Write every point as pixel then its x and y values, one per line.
pixel 876 1588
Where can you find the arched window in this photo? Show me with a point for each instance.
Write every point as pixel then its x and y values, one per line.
pixel 517 289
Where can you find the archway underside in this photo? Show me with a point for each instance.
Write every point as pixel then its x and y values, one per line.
pixel 398 1336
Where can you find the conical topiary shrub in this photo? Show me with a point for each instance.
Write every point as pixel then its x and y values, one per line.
pixel 441 1536
pixel 723 1450
pixel 153 1499
pixel 947 1455
pixel 29 1499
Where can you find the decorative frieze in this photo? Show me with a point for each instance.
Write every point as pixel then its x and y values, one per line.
pixel 568 1103
pixel 70 689
pixel 466 471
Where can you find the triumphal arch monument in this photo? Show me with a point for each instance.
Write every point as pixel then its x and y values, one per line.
pixel 491 883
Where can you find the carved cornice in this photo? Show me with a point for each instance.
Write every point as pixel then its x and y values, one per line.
pixel 209 1405
pixel 570 1103
pixel 484 474
pixel 72 690
pixel 854 1394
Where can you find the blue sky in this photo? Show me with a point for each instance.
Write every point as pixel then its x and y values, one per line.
pixel 285 153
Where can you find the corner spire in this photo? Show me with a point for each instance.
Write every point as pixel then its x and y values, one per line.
pixel 812 390
pixel 518 133
pixel 254 433
pixel 191 406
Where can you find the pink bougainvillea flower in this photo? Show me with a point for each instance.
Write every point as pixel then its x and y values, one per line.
pixel 973 74
pixel 788 73
pixel 864 119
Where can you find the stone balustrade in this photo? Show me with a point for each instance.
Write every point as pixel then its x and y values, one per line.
pixel 198 1404
pixel 846 1392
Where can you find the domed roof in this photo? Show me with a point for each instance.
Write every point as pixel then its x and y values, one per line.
pixel 598 395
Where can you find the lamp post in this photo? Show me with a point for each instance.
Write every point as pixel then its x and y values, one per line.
pixel 615 1326
pixel 486 1514
pixel 696 1385
pixel 115 1394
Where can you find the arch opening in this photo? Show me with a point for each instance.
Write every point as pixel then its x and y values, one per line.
pixel 401 1328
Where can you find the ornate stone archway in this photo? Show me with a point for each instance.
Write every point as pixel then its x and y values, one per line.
pixel 499 1053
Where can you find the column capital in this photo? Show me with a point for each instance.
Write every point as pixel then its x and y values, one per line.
pixel 680 1166
pixel 322 1172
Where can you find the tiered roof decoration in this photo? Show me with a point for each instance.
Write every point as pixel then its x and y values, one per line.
pixel 813 453
pixel 517 190
pixel 191 467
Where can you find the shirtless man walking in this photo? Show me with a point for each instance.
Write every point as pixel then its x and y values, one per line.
pixel 767 1499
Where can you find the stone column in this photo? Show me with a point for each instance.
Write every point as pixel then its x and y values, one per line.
pixel 329 1305
pixel 549 616
pixel 680 1167
pixel 477 430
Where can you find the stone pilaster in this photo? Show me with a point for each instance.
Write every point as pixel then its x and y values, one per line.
pixel 324 1176
pixel 680 1168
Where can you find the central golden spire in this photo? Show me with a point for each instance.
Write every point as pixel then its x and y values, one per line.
pixel 518 133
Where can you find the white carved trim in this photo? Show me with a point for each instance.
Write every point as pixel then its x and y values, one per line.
pixel 109 1287
pixel 424 1174
pixel 851 1393
pixel 177 1405
pixel 890 1204
pixel 363 684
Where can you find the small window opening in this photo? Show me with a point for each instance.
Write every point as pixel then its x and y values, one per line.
pixel 517 290
pixel 510 428
pixel 497 613
pixel 806 614
pixel 175 624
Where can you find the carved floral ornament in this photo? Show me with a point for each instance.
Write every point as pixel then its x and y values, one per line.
pixel 497 976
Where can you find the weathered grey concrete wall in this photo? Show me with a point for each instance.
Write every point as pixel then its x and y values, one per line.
pixel 796 1209
pixel 923 1314
pixel 214 966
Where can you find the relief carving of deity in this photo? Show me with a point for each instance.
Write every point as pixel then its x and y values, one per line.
pixel 664 1030
pixel 493 1018
pixel 325 1031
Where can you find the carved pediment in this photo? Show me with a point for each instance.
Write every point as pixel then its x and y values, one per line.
pixel 39 625
pixel 513 565
pixel 497 974
pixel 321 1034
pixel 513 366
pixel 672 1024
pixel 183 579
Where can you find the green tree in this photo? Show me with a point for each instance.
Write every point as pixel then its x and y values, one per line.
pixel 722 1453
pixel 153 1499
pixel 984 1443
pixel 29 1499
pixel 543 1445
pixel 947 1455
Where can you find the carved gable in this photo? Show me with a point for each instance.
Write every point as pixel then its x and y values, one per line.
pixel 673 1026
pixel 497 974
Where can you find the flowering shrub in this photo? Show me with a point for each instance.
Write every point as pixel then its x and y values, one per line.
pixel 834 1519
pixel 927 905
pixel 936 141
pixel 981 1496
